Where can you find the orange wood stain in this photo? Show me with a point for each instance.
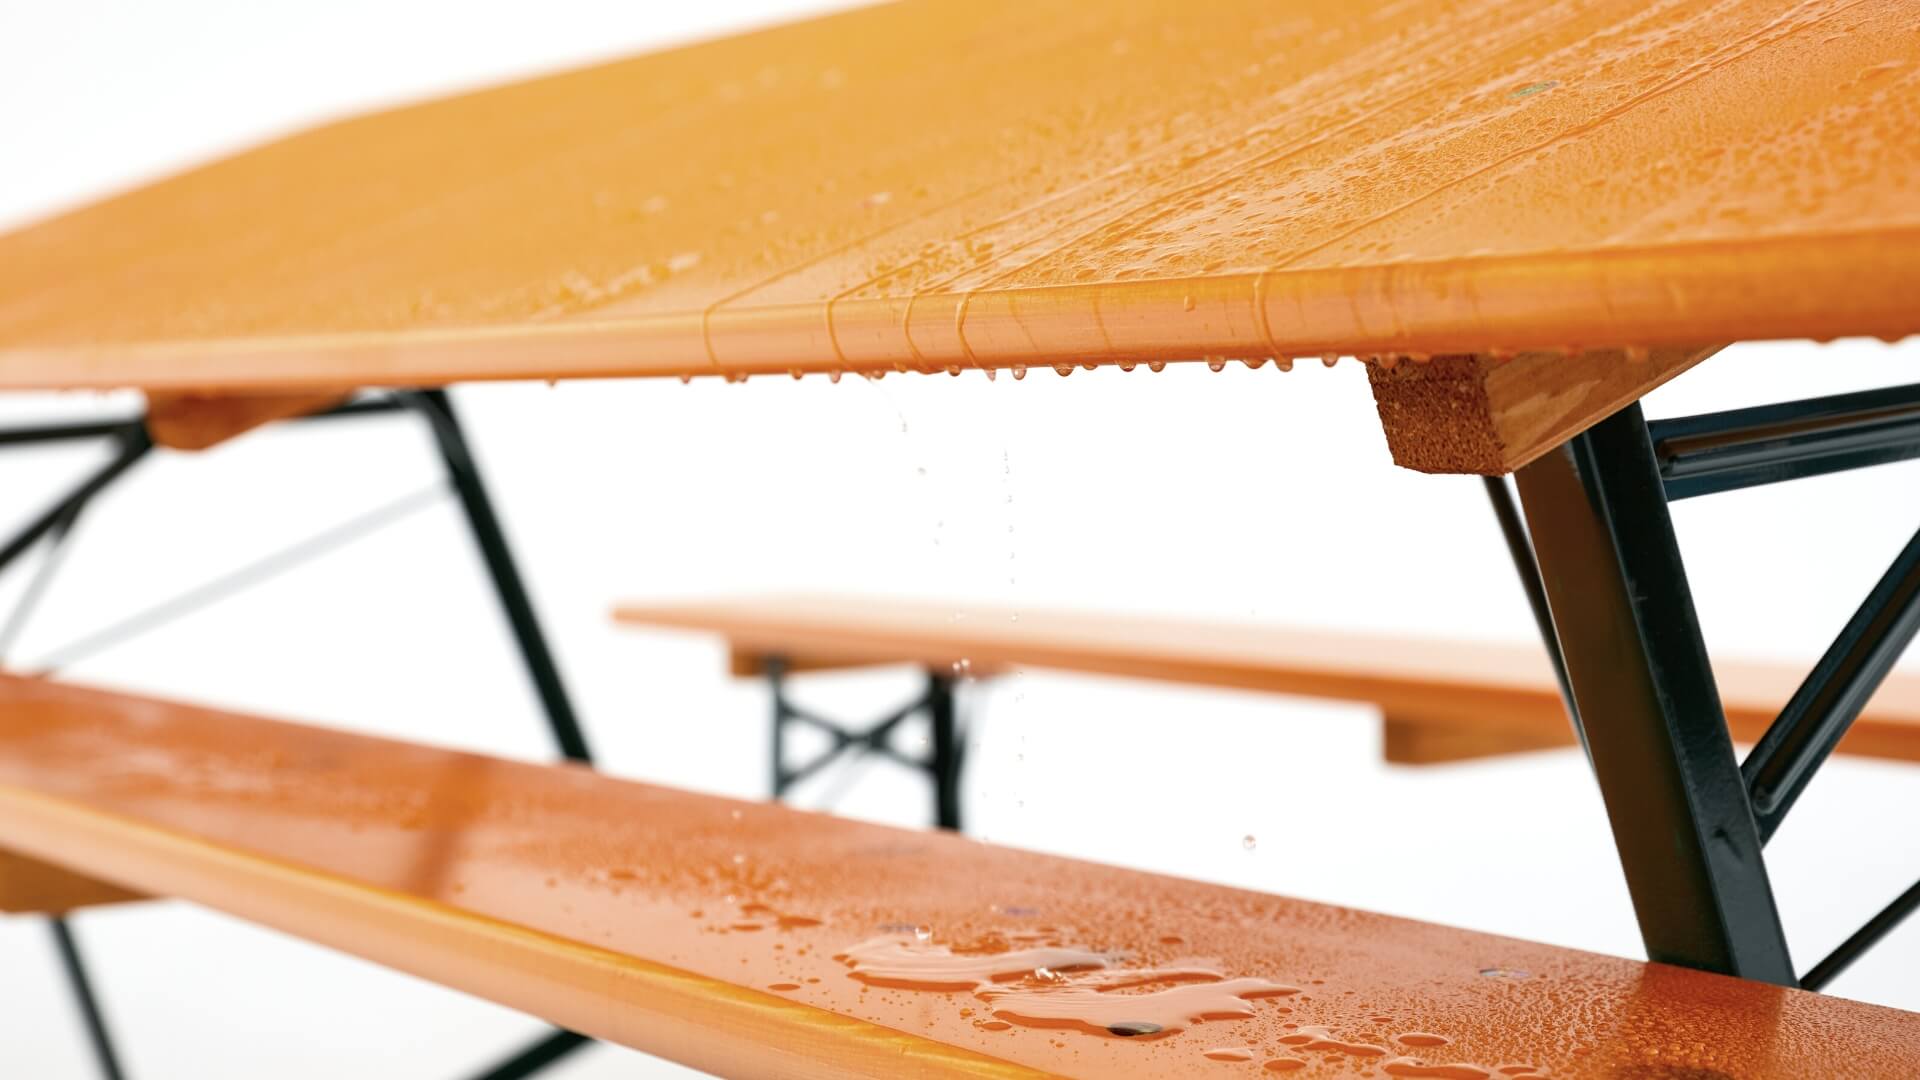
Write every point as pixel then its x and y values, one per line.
pixel 612 907
pixel 1446 685
pixel 963 183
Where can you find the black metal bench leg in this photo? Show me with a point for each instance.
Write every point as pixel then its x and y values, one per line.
pixel 84 998
pixel 544 1052
pixel 1648 705
pixel 944 766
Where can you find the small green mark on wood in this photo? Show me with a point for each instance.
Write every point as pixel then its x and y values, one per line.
pixel 1534 88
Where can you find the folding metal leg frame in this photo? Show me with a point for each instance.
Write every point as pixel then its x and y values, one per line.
pixel 1689 818
pixel 945 750
pixel 133 444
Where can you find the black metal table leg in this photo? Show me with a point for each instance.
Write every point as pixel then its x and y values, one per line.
pixel 84 998
pixel 1648 704
pixel 437 408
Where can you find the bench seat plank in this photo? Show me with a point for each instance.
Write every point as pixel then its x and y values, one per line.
pixel 696 927
pixel 988 183
pixel 1453 686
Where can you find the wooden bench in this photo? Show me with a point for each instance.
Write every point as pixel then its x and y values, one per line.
pixel 755 940
pixel 1439 700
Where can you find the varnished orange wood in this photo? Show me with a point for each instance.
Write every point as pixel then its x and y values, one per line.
pixel 707 930
pixel 29 885
pixel 1485 688
pixel 190 421
pixel 958 184
pixel 1406 740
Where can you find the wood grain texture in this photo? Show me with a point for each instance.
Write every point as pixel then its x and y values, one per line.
pixel 954 184
pixel 695 927
pixel 31 886
pixel 196 421
pixel 1488 688
pixel 1479 414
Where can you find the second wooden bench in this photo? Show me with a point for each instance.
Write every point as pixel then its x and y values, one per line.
pixel 1439 701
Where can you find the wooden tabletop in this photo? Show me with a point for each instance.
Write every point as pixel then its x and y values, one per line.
pixel 756 940
pixel 954 184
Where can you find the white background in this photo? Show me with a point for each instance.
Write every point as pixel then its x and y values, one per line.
pixel 1246 494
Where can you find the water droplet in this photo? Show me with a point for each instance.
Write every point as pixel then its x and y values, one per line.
pixel 1088 364
pixel 1216 363
pixel 923 933
pixel 1253 363
pixel 953 370
pixel 1283 363
pixel 991 373
pixel 1063 370
pixel 1637 354
pixel 1248 842
pixel 796 373
pixel 739 858
pixel 1330 359
pixel 834 375
pixel 1130 1028
pixel 1387 361
pixel 1019 371
pixel 1186 303
pixel 685 378
pixel 1503 973
pixel 1422 1038
pixel 1284 1064
pixel 1127 365
pixel 735 814
pixel 1228 1053
pixel 1156 366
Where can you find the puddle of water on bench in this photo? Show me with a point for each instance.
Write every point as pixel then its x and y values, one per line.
pixel 1030 980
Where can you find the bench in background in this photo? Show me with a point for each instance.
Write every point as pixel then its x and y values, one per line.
pixel 1439 701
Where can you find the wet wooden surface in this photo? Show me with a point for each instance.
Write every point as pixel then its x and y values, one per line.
pixel 954 184
pixel 757 940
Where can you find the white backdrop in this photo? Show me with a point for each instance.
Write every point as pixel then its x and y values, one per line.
pixel 1242 494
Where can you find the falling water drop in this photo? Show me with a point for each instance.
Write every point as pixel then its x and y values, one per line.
pixel 1019 372
pixel 1247 842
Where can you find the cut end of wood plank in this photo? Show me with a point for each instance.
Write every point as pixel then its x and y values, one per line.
pixel 1412 741
pixel 1489 415
pixel 29 886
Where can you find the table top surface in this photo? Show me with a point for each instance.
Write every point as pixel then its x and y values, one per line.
pixel 952 184
pixel 752 939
